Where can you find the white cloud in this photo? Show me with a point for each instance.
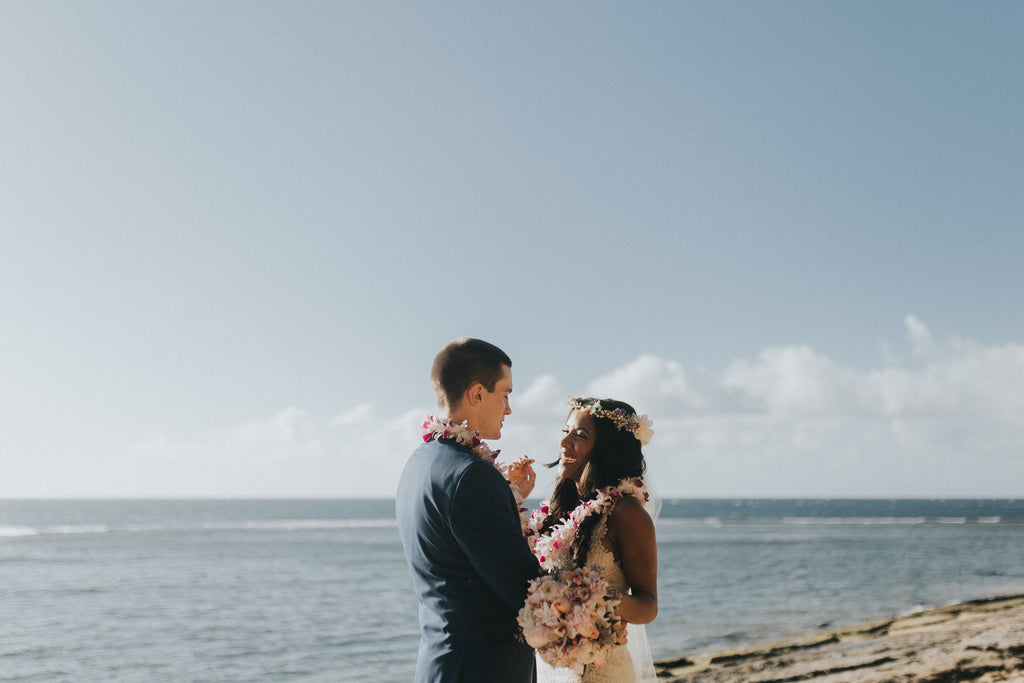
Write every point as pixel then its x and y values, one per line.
pixel 945 421
pixel 921 342
pixel 289 433
pixel 356 453
pixel 544 397
pixel 358 415
pixel 648 379
pixel 367 454
pixel 794 422
pixel 792 381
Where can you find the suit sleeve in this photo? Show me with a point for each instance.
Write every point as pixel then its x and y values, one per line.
pixel 485 523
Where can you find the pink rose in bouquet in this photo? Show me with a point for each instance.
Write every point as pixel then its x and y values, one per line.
pixel 569 618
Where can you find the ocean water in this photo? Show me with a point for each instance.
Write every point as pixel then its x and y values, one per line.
pixel 282 590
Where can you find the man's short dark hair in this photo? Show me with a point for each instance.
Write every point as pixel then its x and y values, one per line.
pixel 461 364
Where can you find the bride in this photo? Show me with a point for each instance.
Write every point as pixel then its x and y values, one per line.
pixel 596 519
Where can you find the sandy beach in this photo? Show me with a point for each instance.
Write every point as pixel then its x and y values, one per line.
pixel 980 641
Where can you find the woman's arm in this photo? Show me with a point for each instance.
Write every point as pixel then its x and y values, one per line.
pixel 632 533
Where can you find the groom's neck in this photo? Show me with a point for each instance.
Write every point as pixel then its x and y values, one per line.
pixel 461 415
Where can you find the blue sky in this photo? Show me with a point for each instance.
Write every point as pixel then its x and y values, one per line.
pixel 235 234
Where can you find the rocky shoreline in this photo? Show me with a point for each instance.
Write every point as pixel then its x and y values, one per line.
pixel 980 641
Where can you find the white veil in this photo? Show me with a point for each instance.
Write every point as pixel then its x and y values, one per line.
pixel 637 645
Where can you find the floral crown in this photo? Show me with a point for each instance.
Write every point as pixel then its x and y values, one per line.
pixel 631 422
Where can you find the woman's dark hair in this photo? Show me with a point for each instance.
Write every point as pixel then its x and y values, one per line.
pixel 616 455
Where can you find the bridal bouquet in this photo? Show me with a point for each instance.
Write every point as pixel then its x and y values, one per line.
pixel 569 619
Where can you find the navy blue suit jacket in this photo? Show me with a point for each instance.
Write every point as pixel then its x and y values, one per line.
pixel 470 566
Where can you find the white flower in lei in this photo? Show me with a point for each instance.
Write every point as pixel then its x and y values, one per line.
pixel 552 548
pixel 439 428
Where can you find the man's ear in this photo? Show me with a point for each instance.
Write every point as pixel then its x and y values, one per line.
pixel 475 394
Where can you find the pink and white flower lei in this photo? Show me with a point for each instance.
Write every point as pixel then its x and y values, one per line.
pixel 438 428
pixel 552 547
pixel 446 428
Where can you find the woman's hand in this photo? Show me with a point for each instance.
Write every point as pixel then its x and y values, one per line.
pixel 521 475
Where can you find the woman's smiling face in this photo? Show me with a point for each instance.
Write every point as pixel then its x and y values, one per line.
pixel 578 438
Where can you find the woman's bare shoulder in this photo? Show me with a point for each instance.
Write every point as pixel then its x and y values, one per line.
pixel 629 514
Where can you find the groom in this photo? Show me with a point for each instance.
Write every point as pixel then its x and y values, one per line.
pixel 460 528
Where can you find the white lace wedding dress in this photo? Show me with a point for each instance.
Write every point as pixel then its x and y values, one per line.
pixel 620 666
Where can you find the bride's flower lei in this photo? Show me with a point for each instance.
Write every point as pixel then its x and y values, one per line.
pixel 439 428
pixel 551 547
